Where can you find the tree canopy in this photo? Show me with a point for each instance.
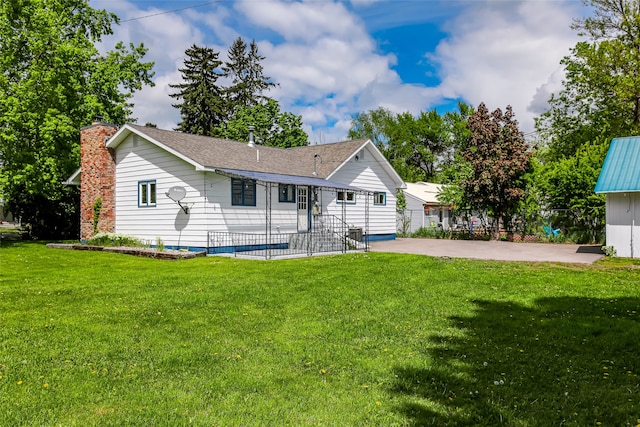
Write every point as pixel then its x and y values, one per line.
pixel 272 127
pixel 227 111
pixel 248 82
pixel 601 89
pixel 418 146
pixel 600 100
pixel 202 107
pixel 499 158
pixel 54 81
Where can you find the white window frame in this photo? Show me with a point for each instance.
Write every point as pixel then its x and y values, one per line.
pixel 147 193
pixel 346 197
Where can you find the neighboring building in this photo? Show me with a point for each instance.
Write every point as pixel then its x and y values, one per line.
pixel 5 215
pixel 219 195
pixel 423 207
pixel 619 180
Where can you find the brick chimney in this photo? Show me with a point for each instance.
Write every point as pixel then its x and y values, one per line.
pixel 97 182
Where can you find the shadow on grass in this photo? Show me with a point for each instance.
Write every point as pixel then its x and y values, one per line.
pixel 11 242
pixel 565 361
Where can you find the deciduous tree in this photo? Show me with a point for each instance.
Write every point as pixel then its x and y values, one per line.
pixel 500 158
pixel 601 89
pixel 373 125
pixel 53 81
pixel 271 127
pixel 416 146
pixel 567 186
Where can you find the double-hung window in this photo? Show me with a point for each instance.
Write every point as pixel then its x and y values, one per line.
pixel 243 192
pixel 146 194
pixel 346 197
pixel 379 198
pixel 286 193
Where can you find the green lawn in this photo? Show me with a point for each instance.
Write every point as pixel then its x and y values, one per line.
pixel 90 338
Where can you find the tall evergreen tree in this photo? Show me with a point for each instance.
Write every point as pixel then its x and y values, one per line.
pixel 248 82
pixel 202 107
pixel 53 81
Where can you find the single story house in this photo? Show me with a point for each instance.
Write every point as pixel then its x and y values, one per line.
pixel 423 208
pixel 619 180
pixel 218 195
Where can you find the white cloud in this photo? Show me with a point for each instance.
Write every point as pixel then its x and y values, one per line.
pixel 305 21
pixel 540 101
pixel 506 54
pixel 166 36
pixel 329 66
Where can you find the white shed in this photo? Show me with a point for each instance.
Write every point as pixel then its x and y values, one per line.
pixel 619 180
pixel 423 207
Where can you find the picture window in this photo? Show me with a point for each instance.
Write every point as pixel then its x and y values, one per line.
pixel 243 192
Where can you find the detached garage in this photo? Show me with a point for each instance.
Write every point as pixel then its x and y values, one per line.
pixel 619 180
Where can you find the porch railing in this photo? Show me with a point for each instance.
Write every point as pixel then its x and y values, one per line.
pixel 328 234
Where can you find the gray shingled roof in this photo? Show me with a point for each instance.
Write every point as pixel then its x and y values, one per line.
pixel 223 153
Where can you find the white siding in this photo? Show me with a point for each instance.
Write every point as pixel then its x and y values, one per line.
pixel 418 218
pixel 223 216
pixel 623 223
pixel 138 160
pixel 208 197
pixel 367 174
pixel 415 213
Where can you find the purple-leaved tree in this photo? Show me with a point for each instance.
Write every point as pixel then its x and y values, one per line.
pixel 500 158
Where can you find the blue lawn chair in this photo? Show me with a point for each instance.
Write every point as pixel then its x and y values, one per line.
pixel 551 231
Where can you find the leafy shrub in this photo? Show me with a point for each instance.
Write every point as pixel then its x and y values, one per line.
pixel 431 233
pixel 113 239
pixel 97 206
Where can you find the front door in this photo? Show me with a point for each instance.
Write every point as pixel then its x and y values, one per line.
pixel 303 209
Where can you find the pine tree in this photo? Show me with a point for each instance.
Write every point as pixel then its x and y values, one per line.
pixel 248 82
pixel 202 107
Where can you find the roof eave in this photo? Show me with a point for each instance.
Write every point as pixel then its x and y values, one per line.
pixel 74 179
pixel 127 130
pixel 400 184
pixel 609 191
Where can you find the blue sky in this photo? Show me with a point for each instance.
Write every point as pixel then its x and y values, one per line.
pixel 333 59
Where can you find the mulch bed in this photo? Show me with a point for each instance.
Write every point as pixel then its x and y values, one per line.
pixel 143 252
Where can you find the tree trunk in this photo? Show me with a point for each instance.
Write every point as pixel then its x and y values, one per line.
pixel 496 232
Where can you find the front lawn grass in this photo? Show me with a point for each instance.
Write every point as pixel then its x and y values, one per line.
pixel 91 338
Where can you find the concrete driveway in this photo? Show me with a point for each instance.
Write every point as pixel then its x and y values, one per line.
pixel 501 251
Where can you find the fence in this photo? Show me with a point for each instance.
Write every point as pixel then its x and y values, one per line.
pixel 328 234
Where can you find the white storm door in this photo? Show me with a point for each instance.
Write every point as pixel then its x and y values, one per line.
pixel 303 209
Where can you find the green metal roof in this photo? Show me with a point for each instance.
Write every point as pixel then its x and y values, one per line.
pixel 621 169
